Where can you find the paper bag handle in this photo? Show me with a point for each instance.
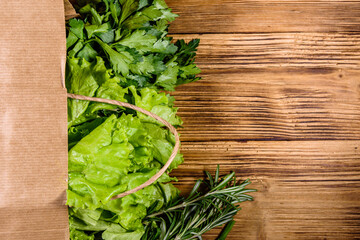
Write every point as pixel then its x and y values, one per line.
pixel 167 124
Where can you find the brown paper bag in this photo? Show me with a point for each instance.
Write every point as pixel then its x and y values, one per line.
pixel 33 118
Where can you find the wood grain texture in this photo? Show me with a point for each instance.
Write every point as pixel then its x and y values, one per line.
pixel 277 50
pixel 306 189
pixel 277 86
pixel 250 16
pixel 273 104
pixel 279 103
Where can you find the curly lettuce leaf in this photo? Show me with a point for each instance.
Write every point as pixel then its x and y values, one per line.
pixel 116 232
pixel 119 49
pixel 79 235
pixel 91 79
pixel 157 103
pixel 76 133
pixel 105 162
pixel 164 143
pixel 80 79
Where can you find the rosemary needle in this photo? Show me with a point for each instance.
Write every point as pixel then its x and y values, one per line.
pixel 189 218
pixel 226 230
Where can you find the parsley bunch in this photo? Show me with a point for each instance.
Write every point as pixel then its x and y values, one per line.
pixel 131 37
pixel 119 49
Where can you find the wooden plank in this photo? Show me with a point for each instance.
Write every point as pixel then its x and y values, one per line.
pixel 271 105
pixel 249 16
pixel 273 86
pixel 276 50
pixel 276 70
pixel 228 16
pixel 306 189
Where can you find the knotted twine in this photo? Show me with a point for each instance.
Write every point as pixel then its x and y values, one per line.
pixel 167 124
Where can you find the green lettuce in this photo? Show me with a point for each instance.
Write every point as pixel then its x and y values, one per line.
pixel 119 49
pixel 94 80
pixel 118 155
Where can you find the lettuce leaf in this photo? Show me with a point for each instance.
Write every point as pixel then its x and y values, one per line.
pixel 157 103
pixel 119 49
pixel 94 80
pixel 118 155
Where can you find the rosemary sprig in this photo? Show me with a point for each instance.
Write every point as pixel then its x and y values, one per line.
pixel 189 218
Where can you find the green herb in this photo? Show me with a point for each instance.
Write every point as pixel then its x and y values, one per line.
pixel 226 230
pixel 201 211
pixel 119 49
pixel 118 155
pixel 130 36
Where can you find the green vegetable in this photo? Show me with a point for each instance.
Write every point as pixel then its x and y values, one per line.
pixel 94 80
pixel 111 149
pixel 131 38
pixel 226 230
pixel 115 157
pixel 119 49
pixel 189 218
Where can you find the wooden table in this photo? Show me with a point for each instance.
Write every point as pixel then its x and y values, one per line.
pixel 279 103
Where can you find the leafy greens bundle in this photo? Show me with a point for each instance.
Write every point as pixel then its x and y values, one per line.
pixel 119 49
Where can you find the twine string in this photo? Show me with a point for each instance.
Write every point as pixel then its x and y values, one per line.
pixel 167 124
